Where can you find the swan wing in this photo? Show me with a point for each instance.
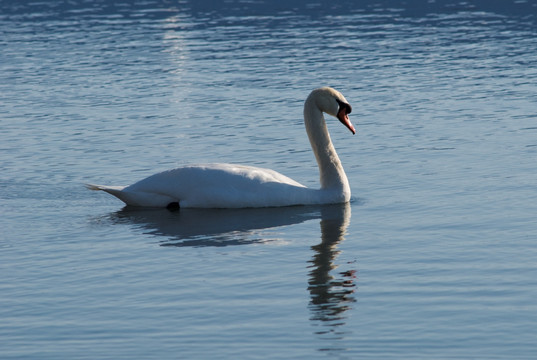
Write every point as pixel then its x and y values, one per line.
pixel 216 186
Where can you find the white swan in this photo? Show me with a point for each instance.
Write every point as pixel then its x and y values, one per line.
pixel 237 186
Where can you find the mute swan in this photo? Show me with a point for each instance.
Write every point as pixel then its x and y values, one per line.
pixel 237 186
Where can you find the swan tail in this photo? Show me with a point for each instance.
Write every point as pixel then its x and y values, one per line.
pixel 137 198
pixel 112 190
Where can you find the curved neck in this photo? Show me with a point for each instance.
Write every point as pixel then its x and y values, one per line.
pixel 332 175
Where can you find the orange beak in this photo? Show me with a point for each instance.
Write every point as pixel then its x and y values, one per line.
pixel 344 118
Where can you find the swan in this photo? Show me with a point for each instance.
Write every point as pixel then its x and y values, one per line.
pixel 239 186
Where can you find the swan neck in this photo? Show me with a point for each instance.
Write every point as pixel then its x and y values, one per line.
pixel 332 175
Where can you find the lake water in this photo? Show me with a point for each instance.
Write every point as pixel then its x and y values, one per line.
pixel 435 258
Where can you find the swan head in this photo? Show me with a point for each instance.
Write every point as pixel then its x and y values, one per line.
pixel 333 103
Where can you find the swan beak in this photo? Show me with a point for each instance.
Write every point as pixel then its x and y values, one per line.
pixel 343 116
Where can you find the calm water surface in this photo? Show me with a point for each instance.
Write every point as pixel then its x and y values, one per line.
pixel 434 258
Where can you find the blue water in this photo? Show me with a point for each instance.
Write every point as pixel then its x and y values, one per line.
pixel 433 259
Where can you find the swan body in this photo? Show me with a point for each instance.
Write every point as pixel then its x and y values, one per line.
pixel 238 186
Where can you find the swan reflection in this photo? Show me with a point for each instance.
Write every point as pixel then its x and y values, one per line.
pixel 331 291
pixel 331 295
pixel 214 227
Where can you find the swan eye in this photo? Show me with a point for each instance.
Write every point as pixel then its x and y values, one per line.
pixel 347 107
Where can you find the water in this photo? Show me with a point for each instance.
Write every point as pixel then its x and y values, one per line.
pixel 434 258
